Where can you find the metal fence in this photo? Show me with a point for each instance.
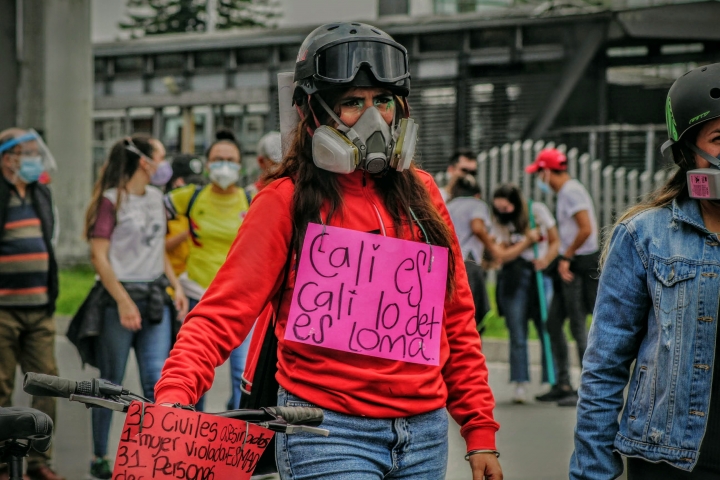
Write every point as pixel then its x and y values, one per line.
pixel 612 189
pixel 631 146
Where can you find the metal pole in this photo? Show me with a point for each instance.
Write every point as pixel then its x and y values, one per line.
pixel 592 145
pixel 505 163
pixel 517 170
pixel 607 198
pixel 494 159
pixel 483 175
pixel 650 150
pixel 188 131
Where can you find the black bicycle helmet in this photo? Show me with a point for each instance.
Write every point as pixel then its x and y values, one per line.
pixel 693 99
pixel 350 54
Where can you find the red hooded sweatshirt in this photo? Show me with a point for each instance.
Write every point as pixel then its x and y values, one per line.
pixel 349 383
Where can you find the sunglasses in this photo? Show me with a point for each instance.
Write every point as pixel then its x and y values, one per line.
pixel 469 172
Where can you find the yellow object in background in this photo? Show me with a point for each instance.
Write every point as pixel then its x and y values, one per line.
pixel 178 256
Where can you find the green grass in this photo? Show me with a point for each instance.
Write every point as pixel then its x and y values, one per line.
pixel 495 324
pixel 75 283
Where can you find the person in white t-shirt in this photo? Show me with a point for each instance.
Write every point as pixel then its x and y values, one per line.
pixel 517 288
pixel 577 266
pixel 471 219
pixel 125 227
pixel 462 162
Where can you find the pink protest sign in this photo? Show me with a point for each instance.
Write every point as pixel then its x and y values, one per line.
pixel 169 443
pixel 368 294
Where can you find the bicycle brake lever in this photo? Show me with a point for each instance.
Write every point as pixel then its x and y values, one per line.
pixel 100 402
pixel 290 429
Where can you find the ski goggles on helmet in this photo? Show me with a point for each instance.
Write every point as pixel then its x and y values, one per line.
pixel 340 62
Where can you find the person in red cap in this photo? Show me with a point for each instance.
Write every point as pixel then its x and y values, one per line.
pixel 577 266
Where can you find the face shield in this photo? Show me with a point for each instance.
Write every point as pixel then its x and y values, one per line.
pixel 30 156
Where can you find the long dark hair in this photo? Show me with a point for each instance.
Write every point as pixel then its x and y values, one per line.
pixel 118 169
pixel 513 194
pixel 224 135
pixel 401 192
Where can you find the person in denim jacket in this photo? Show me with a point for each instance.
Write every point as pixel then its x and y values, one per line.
pixel 657 306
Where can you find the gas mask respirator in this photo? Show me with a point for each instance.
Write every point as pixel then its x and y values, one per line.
pixel 370 144
pixel 704 183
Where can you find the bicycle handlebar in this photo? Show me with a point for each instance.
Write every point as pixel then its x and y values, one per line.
pixel 49 385
pixel 299 415
pixel 101 393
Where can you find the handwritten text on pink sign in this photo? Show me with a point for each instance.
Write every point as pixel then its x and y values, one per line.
pixel 369 294
pixel 169 443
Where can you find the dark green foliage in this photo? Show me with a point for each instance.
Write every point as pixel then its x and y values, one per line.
pixel 247 13
pixel 155 17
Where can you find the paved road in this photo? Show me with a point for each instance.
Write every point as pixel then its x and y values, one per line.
pixel 535 439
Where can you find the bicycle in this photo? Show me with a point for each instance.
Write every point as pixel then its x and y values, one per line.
pixel 99 393
pixel 21 429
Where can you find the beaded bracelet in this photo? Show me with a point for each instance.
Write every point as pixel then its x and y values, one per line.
pixel 474 452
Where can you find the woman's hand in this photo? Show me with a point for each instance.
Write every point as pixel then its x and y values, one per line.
pixel 564 270
pixel 533 236
pixel 129 315
pixel 541 264
pixel 181 302
pixel 485 466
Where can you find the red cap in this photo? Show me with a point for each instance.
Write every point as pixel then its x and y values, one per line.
pixel 549 158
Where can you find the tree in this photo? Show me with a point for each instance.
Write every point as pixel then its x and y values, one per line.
pixel 247 13
pixel 155 17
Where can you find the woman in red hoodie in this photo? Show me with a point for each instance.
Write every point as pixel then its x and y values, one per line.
pixel 348 172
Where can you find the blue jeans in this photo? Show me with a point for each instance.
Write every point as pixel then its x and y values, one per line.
pixel 238 357
pixel 152 347
pixel 362 448
pixel 517 297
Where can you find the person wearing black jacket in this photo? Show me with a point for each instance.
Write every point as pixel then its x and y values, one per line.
pixel 28 277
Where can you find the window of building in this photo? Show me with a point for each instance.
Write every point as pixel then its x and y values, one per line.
pixel 253 55
pixel 170 61
pixel 215 59
pixel 393 7
pixel 450 7
pixel 492 37
pixel 441 42
pixel 129 64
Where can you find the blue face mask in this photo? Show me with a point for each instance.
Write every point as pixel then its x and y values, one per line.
pixel 30 169
pixel 544 187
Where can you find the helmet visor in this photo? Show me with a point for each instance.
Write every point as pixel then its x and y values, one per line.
pixel 340 63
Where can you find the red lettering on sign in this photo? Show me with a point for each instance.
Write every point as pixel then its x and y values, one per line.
pixel 169 443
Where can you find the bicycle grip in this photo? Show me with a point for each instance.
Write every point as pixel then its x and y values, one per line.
pixel 299 415
pixel 48 385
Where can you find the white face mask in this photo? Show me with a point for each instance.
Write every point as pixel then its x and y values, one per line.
pixel 224 174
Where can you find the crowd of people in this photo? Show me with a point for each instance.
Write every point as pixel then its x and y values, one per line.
pixel 535 254
pixel 156 230
pixel 193 270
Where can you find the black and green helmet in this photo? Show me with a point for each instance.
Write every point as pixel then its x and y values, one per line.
pixel 350 55
pixel 693 99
